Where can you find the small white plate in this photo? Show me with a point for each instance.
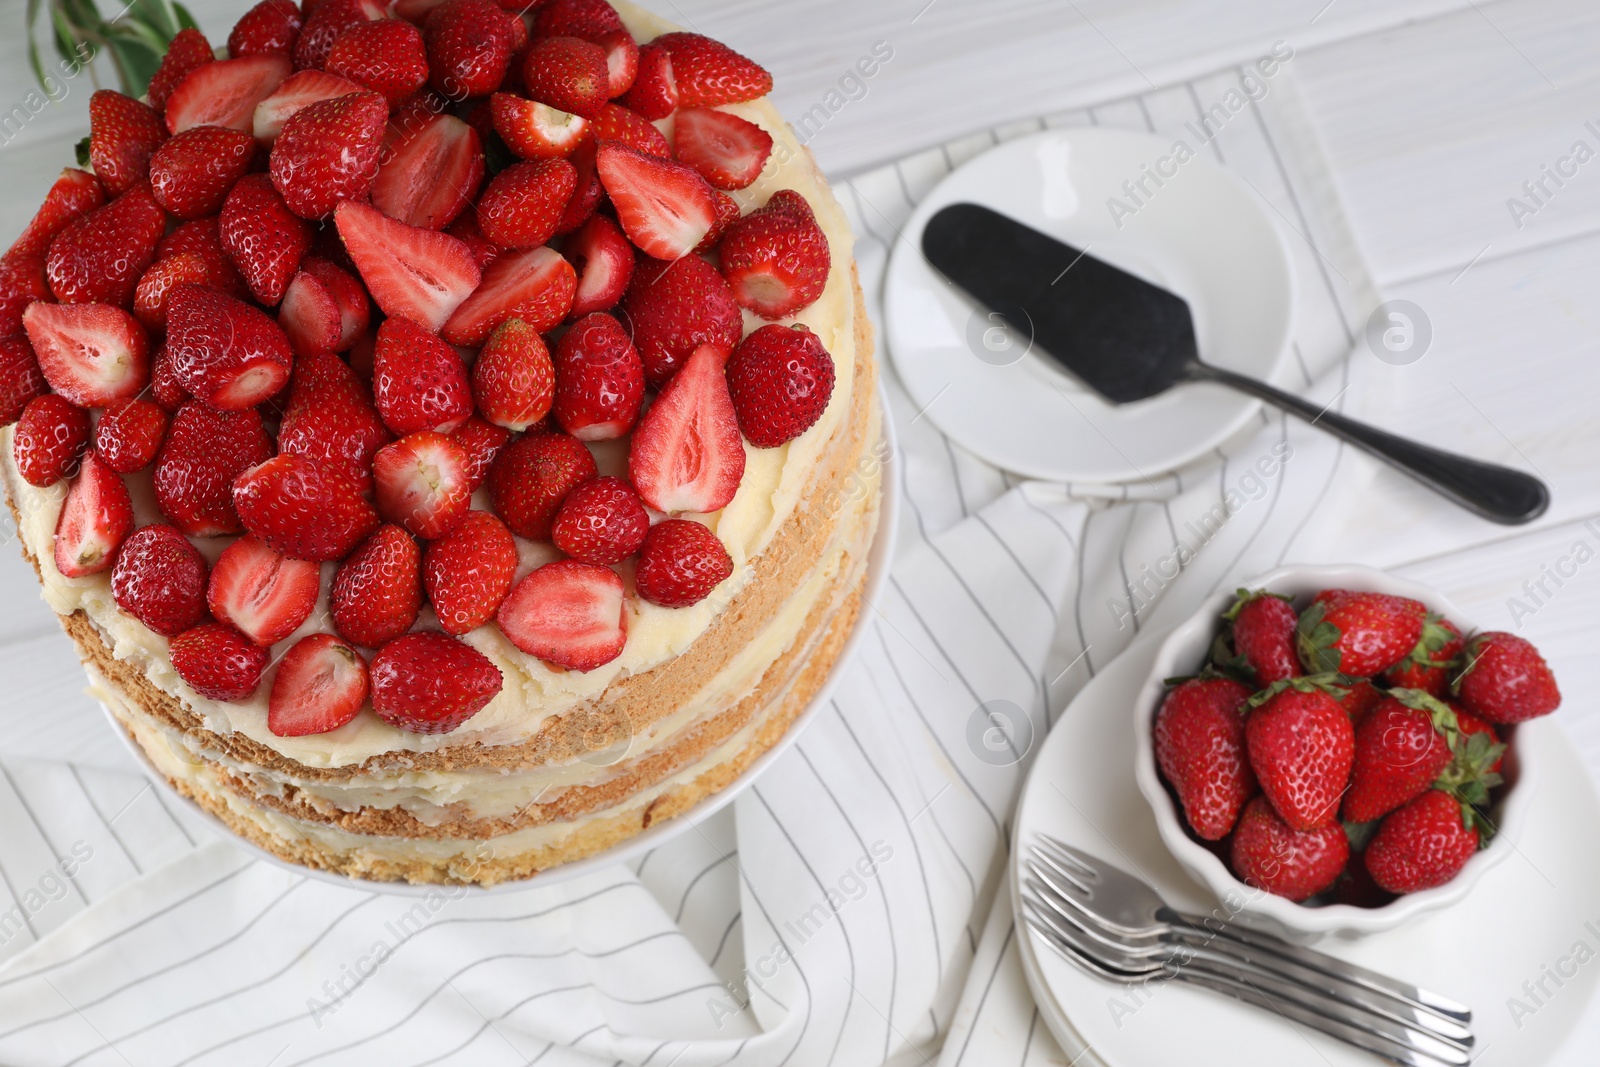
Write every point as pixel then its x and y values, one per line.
pixel 1523 921
pixel 1201 234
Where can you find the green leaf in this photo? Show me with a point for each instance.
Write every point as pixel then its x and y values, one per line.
pixel 81 149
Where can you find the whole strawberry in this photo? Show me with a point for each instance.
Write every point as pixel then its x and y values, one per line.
pixel 674 308
pixel 1301 747
pixel 21 380
pixel 1504 680
pixel 430 683
pixel 217 661
pixel 1402 745
pixel 709 73
pixel 303 509
pixel 377 591
pixel 100 257
pixel 469 571
pixel 160 580
pixel 680 563
pixel 74 195
pixel 331 418
pixel 129 434
pixel 513 380
pixel 418 381
pixel 1269 854
pixel 1200 747
pixel 204 452
pixel 49 440
pixel 22 282
pixel 1424 844
pixel 329 152
pixel 781 379
pixel 482 442
pixel 533 476
pixel 776 259
pixel 272 26
pixel 186 51
pixel 567 73
pixel 264 239
pixel 602 521
pixel 1263 633
pixel 469 47
pixel 1359 634
pixel 386 56
pixel 1361 696
pixel 1429 664
pixel 190 175
pixel 599 379
pixel 123 135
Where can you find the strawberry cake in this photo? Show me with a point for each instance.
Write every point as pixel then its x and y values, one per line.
pixel 448 431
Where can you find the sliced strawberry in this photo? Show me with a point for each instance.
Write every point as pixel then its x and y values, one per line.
pixel 654 93
pixel 674 308
pixel 588 193
pixel 588 19
pixel 469 47
pixel 165 389
pixel 513 381
pixel 99 258
pixel 567 613
pixel 602 521
pixel 622 61
pixel 535 286
pixel 129 434
pixel 680 564
pixel 599 379
pixel 50 438
pixel 386 56
pixel 377 592
pixel 410 272
pixel 20 378
pixel 421 483
pixel 418 381
pixel 191 173
pixel 331 417
pixel 204 451
pixel 304 509
pixel 203 238
pixel 533 475
pixel 469 571
pixel 186 51
pixel 728 151
pixel 267 596
pixel 123 135
pixel 91 354
pixel 96 518
pixel 524 203
pixel 328 152
pixel 776 259
pixel 326 23
pixel 22 281
pixel 271 27
pixel 536 131
pixel 309 316
pixel 665 208
pixel 709 73
pixel 320 686
pixel 217 661
pixel 431 683
pixel 686 454
pixel 301 89
pixel 160 580
pixel 617 123
pixel 727 214
pixel 265 240
pixel 74 194
pixel 355 309
pixel 225 93
pixel 482 442
pixel 568 73
pixel 781 379
pixel 150 298
pixel 430 172
pixel 225 352
pixel 603 259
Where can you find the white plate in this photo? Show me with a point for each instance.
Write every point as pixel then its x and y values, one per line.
pixel 1202 234
pixel 1524 916
pixel 878 562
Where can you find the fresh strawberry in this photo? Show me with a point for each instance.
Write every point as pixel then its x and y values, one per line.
pixel 422 484
pixel 431 170
pixel 129 434
pixel 49 440
pixel 95 519
pixel 431 683
pixel 465 229
pixel 513 380
pixel 165 389
pixel 191 173
pixel 225 93
pixel 617 123
pixel 680 563
pixel 331 418
pixel 302 508
pixel 602 522
pixel 1470 725
pixel 1428 666
pixel 411 272
pixel 1503 678
pixel 155 288
pixel 1301 746
pixel 22 281
pixel 482 442
pixel 1270 854
pixel 262 593
pixel 418 381
pixel 622 61
pixel 1424 844
pixel 301 89
pixel 728 151
pixel 469 47
pixel 674 308
pixel 269 28
pixel 21 380
pixel 265 240
pixel 469 571
pixel 1359 634
pixel 1200 747
pixel 355 309
pixel 603 259
pixel 524 203
pixel 225 352
pixel 217 661
pixel 377 592
pixel 310 316
pixel 588 19
pixel 654 93
pixel 776 259
pixel 1402 745
pixel 599 379
pixel 569 614
pixel 781 378
pixel 665 208
pixel 326 23
pixel 320 686
pixel 186 51
pixel 204 451
pixel 123 135
pixel 536 131
pixel 686 454
pixel 568 73
pixel 1264 634
pixel 203 238
pixel 709 73
pixel 74 194
pixel 588 193
pixel 91 354
pixel 531 478
pixel 99 258
pixel 386 56
pixel 160 580
pixel 328 152
pixel 535 286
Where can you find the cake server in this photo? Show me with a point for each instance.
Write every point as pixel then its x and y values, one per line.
pixel 1129 340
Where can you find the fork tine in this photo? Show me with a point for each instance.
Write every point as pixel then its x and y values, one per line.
pixel 1068 876
pixel 1068 854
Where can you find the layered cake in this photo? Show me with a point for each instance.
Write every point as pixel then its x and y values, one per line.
pixel 449 434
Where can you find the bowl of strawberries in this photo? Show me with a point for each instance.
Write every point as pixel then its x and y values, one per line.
pixel 1333 750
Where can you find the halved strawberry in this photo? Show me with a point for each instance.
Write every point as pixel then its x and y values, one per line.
pixel 432 166
pixel 602 521
pixel 74 194
pixel 204 451
pixel 533 475
pixel 567 613
pixel 320 685
pixel 535 286
pixel 410 272
pixel 309 316
pixel 617 123
pixel 418 381
pixel 263 593
pixel 482 442
pixel 709 73
pixel 191 173
pixel 328 153
pixel 386 56
pixel 129 434
pixel 536 131
pixel 99 257
pixel 665 208
pixel 225 93
pixel 326 22
pixel 524 203
pixel 686 454
pixel 218 661
pixel 377 592
pixel 568 73
pixel 654 93
pixel 589 19
pixel 469 571
pixel 776 259
pixel 22 281
pixel 728 151
pixel 265 240
pixel 513 381
pixel 20 378
pixel 469 47
pixel 355 309
pixel 95 519
pixel 674 308
pixel 588 193
pixel 603 259
pixel 92 354
pixel 421 483
pixel 300 89
pixel 272 26
pixel 680 563
pixel 160 580
pixel 622 61
pixel 50 437
pixel 331 418
pixel 123 135
pixel 599 379
pixel 431 683
pixel 186 51
pixel 302 508
pixel 203 238
pixel 225 352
